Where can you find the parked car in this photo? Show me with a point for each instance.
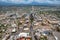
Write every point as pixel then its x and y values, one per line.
pixel 47 33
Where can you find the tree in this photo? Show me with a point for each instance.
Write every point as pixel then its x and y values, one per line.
pixel 31 18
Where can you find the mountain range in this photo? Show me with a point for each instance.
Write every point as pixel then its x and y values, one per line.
pixel 22 4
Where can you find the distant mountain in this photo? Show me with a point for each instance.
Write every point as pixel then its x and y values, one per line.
pixel 30 4
pixel 5 4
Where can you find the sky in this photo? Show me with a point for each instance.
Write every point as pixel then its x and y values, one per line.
pixel 30 1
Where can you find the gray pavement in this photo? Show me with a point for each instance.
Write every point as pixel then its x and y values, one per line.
pixel 56 35
pixel 51 38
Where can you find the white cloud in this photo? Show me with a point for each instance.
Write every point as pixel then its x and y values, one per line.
pixel 40 1
pixel 48 1
pixel 18 1
pixel 54 2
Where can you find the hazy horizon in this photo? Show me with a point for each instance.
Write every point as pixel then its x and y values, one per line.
pixel 35 2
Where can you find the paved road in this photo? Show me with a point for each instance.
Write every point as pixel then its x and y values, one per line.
pixel 57 35
pixel 31 30
pixel 51 38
